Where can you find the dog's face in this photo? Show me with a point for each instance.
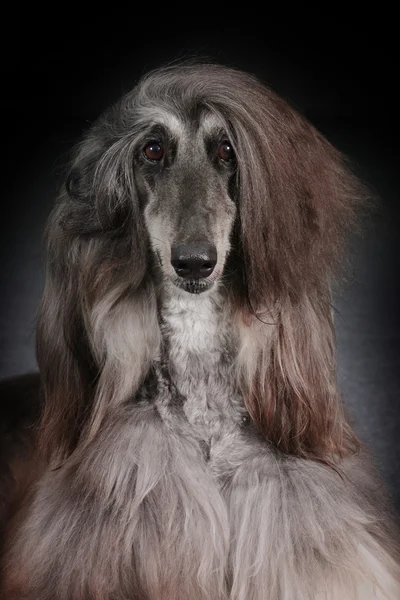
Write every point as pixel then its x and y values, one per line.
pixel 185 172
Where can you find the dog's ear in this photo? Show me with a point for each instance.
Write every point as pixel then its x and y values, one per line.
pixel 101 183
pixel 298 200
pixel 302 196
pixel 96 274
pixel 288 377
pixel 67 366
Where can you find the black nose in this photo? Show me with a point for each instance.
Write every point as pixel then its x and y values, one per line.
pixel 195 260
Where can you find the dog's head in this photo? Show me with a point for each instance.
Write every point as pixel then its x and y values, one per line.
pixel 201 179
pixel 195 152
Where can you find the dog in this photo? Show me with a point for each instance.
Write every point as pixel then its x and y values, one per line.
pixel 193 443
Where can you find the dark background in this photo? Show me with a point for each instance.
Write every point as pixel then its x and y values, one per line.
pixel 61 70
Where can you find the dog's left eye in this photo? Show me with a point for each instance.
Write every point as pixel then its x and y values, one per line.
pixel 153 151
pixel 225 151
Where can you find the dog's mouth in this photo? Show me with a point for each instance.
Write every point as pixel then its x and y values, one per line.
pixel 194 286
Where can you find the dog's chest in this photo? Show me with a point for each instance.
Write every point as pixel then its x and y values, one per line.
pixel 200 346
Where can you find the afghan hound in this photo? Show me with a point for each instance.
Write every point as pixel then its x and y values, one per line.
pixel 193 444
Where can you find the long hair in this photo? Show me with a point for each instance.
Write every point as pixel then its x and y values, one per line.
pixel 159 483
pixel 297 199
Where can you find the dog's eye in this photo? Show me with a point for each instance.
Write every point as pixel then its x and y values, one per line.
pixel 153 151
pixel 225 151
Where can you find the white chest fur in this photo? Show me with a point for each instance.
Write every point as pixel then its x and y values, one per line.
pixel 194 323
pixel 199 341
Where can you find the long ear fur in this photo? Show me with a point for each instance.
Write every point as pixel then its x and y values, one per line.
pixel 97 325
pixel 288 377
pixel 297 201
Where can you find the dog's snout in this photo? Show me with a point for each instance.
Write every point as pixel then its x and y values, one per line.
pixel 195 260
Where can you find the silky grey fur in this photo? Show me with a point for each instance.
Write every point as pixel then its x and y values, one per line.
pixel 172 491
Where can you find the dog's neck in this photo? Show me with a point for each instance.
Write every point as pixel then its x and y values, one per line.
pixel 201 346
pixel 194 325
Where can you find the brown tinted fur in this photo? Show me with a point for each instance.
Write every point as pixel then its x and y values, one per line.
pixel 298 190
pixel 131 505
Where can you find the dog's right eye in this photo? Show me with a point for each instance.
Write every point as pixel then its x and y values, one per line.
pixel 153 151
pixel 225 151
